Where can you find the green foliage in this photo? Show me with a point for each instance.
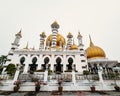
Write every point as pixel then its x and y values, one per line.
pixel 85 72
pixel 50 72
pixel 1 68
pixel 3 59
pixel 11 69
pixel 112 75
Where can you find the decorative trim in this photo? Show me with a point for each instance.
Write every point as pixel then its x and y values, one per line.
pixel 46 55
pixel 70 55
pixel 23 54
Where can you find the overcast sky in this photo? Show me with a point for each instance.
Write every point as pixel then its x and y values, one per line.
pixel 99 18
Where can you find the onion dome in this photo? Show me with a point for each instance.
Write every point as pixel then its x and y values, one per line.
pixel 94 51
pixel 69 35
pixel 60 40
pixel 74 46
pixel 43 35
pixel 19 33
pixel 54 25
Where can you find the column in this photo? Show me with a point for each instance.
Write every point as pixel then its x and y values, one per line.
pixel 55 28
pixel 73 75
pixel 26 67
pixel 46 73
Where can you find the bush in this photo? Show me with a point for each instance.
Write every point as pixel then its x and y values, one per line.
pixel 11 69
pixel 50 72
pixel 85 72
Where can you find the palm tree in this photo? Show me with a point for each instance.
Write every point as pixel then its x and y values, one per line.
pixel 3 59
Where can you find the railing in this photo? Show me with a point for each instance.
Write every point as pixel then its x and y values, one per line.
pixel 31 77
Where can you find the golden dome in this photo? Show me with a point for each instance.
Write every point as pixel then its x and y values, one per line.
pixel 43 34
pixel 74 47
pixel 69 35
pixel 94 51
pixel 55 25
pixel 60 41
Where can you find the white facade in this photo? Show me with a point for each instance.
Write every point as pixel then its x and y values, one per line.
pixel 57 55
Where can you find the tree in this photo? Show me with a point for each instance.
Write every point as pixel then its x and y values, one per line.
pixel 11 69
pixel 86 73
pixel 3 60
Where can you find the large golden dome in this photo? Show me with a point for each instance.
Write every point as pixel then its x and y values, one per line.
pixel 94 51
pixel 60 41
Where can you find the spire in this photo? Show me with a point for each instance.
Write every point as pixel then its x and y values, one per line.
pixel 91 43
pixel 26 46
pixel 19 33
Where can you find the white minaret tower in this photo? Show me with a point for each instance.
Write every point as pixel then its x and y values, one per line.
pixel 15 44
pixel 42 40
pixel 69 41
pixel 79 37
pixel 54 27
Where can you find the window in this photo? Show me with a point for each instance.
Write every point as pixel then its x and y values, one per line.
pixel 81 49
pixel 82 60
pixel 81 54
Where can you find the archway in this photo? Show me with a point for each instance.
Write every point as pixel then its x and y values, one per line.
pixel 58 68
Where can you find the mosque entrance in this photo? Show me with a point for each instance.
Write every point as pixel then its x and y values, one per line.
pixel 22 60
pixel 69 66
pixel 58 66
pixel 44 66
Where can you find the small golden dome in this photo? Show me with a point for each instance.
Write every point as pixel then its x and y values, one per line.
pixel 19 33
pixel 79 35
pixel 43 34
pixel 74 47
pixel 60 40
pixel 94 51
pixel 69 35
pixel 55 25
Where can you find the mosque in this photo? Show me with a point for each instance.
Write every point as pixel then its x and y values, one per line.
pixel 57 57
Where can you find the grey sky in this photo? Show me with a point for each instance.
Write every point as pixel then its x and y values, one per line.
pixel 99 18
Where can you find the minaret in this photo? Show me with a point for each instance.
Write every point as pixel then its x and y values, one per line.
pixel 69 41
pixel 54 27
pixel 42 40
pixel 15 44
pixel 79 37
